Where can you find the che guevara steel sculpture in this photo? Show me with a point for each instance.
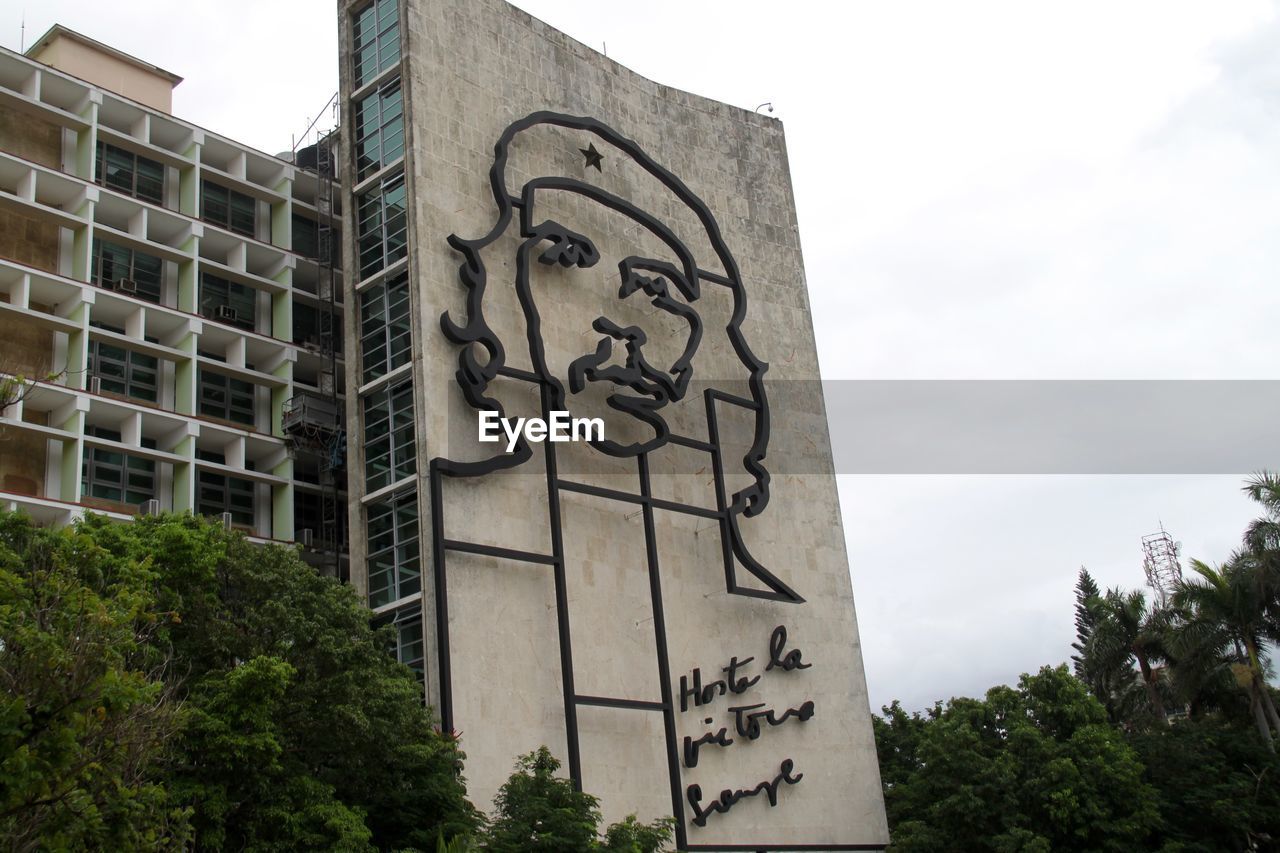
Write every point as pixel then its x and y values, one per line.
pixel 637 388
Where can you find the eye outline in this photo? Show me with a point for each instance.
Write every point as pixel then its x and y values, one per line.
pixel 655 286
pixel 568 248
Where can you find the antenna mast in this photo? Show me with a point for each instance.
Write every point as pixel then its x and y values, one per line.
pixel 1160 562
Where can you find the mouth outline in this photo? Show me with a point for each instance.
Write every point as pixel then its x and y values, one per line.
pixel 655 388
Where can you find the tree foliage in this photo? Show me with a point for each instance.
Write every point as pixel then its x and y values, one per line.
pixel 1187 734
pixel 631 836
pixel 1128 632
pixel 1216 787
pixel 85 715
pixel 536 810
pixel 540 811
pixel 1032 768
pixel 1087 593
pixel 296 729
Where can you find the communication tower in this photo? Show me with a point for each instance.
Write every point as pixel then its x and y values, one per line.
pixel 1160 562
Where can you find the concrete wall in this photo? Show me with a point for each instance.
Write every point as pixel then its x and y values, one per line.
pixel 108 71
pixel 472 68
pixel 31 138
pixel 25 348
pixel 22 462
pixel 28 240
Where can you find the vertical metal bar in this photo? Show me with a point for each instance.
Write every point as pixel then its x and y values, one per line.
pixel 445 703
pixel 664 664
pixel 562 607
pixel 722 501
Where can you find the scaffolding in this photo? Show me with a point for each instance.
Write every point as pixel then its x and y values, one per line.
pixel 1160 562
pixel 314 423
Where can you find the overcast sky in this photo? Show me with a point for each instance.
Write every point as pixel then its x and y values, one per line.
pixel 985 191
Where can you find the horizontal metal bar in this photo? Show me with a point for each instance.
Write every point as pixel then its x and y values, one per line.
pixel 495 551
pixel 599 491
pixel 715 276
pixel 631 704
pixel 696 444
pixel 687 509
pixel 627 497
pixel 517 373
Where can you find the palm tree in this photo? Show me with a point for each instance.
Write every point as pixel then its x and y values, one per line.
pixel 1262 538
pixel 1126 631
pixel 1224 616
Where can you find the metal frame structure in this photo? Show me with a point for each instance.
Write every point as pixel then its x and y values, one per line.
pixel 320 429
pixel 482 360
pixel 1160 563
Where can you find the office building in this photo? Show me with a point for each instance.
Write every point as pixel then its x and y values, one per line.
pixel 165 290
pixel 535 228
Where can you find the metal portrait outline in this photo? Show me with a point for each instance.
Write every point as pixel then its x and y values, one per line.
pixel 474 375
pixel 482 359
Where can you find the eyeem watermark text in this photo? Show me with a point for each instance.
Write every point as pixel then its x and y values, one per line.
pixel 560 427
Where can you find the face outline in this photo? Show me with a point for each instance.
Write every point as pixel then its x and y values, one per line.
pixel 623 358
pixel 481 356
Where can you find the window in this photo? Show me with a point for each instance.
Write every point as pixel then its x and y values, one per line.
pixel 123 371
pixel 129 173
pixel 306 324
pixel 110 475
pixel 379 129
pixel 228 208
pixel 310 240
pixel 406 637
pixel 308 511
pixel 388 436
pixel 226 398
pixel 314 327
pixel 114 264
pixel 228 302
pixel 375 39
pixel 219 493
pixel 394 567
pixel 384 327
pixel 306 237
pixel 381 224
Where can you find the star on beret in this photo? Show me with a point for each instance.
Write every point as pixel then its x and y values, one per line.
pixel 593 157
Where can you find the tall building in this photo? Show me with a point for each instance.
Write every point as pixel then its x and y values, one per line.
pixel 532 231
pixel 166 290
pixel 536 229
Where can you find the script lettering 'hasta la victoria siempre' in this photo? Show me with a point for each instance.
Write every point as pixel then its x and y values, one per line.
pixel 728 798
pixel 749 721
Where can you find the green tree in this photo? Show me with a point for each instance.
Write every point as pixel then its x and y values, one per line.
pixel 84 714
pixel 1127 631
pixel 1035 768
pixel 898 735
pixel 1107 682
pixel 1216 787
pixel 1087 592
pixel 301 731
pixel 536 810
pixel 629 835
pixel 1224 617
pixel 1262 537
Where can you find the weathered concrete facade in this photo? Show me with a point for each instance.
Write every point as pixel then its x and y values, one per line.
pixel 568 596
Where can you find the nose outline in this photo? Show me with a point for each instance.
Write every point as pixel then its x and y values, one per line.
pixel 636 373
pixel 651 277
